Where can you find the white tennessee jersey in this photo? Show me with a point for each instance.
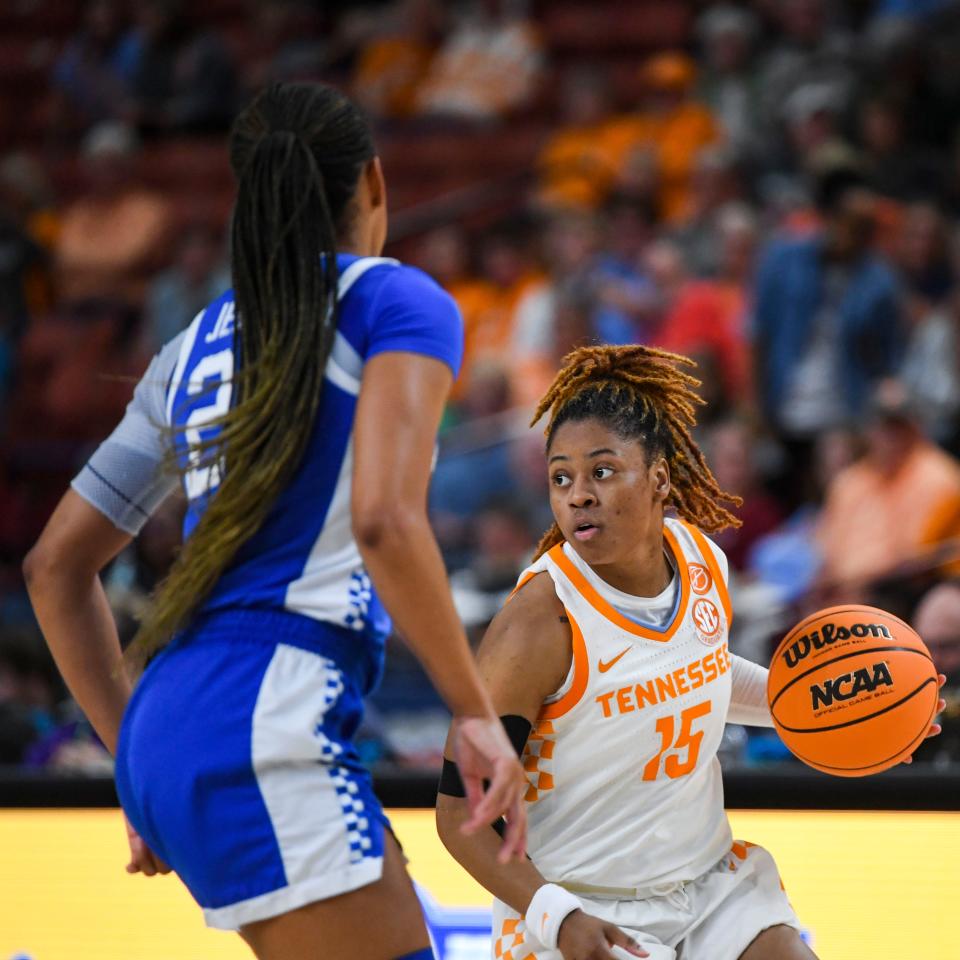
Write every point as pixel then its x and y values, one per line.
pixel 625 787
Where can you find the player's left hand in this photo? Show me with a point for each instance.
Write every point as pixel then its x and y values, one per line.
pixel 142 858
pixel 935 728
pixel 484 752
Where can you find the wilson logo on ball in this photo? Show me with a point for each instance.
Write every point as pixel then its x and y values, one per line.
pixel 850 685
pixel 829 633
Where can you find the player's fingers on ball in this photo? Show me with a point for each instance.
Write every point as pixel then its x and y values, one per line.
pixel 941 680
pixel 935 729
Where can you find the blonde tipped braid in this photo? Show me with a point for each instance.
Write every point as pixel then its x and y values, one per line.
pixel 648 383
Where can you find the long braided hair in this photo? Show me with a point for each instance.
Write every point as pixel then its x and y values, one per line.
pixel 640 393
pixel 297 151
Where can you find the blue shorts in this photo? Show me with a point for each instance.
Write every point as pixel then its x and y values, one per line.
pixel 235 764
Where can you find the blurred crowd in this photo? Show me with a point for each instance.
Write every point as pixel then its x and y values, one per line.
pixel 771 188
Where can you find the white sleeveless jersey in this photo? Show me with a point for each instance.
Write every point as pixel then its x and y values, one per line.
pixel 625 786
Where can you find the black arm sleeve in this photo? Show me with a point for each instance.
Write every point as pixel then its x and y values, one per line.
pixel 517 728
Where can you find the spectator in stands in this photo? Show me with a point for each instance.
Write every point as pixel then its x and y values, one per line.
pixel 284 42
pixel 937 620
pixel 473 470
pixel 114 235
pixel 894 167
pixel 184 81
pixel 27 230
pixel 923 256
pixel 667 270
pixel 576 167
pixel 731 451
pixel 729 85
pixel 672 122
pixel 136 572
pixel 950 193
pixel 489 307
pixel 931 368
pixel 812 118
pixel 625 297
pixel 504 544
pixel 30 689
pixel 709 317
pixel 444 254
pixel 75 375
pixel 26 196
pixel 93 78
pixel 571 244
pixel 901 499
pixel 826 323
pixel 788 559
pixel 714 183
pixel 638 178
pixel 487 67
pixel 198 275
pixel 394 62
pixel 810 50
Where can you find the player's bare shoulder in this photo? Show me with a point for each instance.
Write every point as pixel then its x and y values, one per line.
pixel 526 652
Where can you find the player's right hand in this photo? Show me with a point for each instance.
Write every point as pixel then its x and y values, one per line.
pixel 142 858
pixel 583 937
pixel 483 752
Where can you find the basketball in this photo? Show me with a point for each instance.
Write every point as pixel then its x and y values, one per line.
pixel 852 690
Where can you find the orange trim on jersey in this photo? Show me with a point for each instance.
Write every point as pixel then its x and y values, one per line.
pixel 710 559
pixel 581 673
pixel 586 590
pixel 522 582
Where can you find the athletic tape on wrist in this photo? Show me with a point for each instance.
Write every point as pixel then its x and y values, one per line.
pixel 550 906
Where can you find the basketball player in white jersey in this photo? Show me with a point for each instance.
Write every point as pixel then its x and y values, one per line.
pixel 610 668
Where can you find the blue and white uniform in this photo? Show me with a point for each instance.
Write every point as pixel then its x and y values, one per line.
pixel 235 760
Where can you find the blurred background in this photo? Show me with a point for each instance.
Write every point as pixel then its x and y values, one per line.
pixel 771 187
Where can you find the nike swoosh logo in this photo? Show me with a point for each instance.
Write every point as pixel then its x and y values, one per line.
pixel 604 667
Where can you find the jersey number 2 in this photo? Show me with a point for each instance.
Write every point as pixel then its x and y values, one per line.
pixel 204 477
pixel 686 739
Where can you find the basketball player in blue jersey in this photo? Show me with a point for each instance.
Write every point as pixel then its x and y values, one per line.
pixel 301 409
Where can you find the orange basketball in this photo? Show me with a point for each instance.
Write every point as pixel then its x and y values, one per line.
pixel 852 690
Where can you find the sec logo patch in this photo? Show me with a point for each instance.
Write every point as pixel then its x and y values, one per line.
pixel 700 579
pixel 707 621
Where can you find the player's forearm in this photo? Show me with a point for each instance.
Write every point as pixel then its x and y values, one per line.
pixel 514 883
pixel 748 696
pixel 404 562
pixel 76 621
